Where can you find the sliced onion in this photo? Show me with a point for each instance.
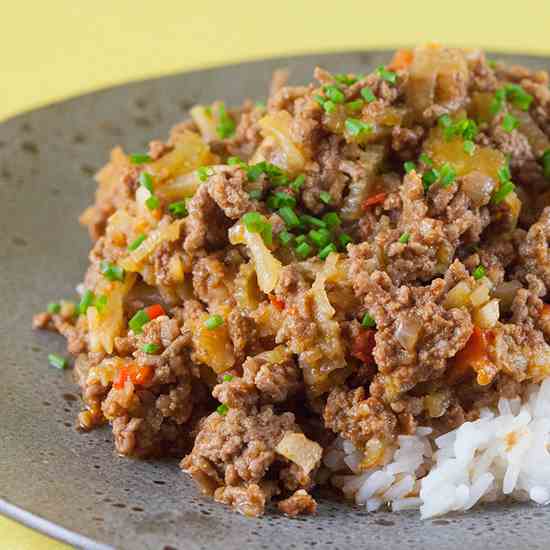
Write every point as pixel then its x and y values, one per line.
pixel 408 332
pixel 478 186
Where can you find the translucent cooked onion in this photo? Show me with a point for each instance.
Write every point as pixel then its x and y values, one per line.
pixel 478 186
pixel 408 332
pixel 300 450
pixel 506 292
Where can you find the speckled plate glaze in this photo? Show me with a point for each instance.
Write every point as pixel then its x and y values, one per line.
pixel 72 485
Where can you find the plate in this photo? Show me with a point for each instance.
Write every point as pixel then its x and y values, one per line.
pixel 72 485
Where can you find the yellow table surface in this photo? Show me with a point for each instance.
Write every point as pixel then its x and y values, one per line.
pixel 61 48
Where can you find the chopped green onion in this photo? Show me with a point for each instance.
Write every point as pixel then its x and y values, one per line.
pixel 503 191
pixel 284 199
pixel 404 239
pixel 100 303
pixel 388 76
pixel 445 121
pixel 85 302
pixel 57 361
pixel 222 409
pixel 492 63
pixel 227 377
pixel 137 322
pixel 260 104
pixel 447 175
pixel 344 239
pixel 300 239
pixel 545 159
pixel 254 222
pixel 345 79
pixel 429 178
pixel 324 253
pixel 140 158
pixel 146 180
pixel 267 234
pixel 110 271
pixel 312 220
pixel 334 93
pixel 329 106
pixel 518 96
pixel 332 220
pixel 368 321
pixel 255 194
pixel 325 196
pixel 409 166
pixel 204 172
pixel 213 322
pixel 298 182
pixel 319 237
pixel 368 95
pixel 425 159
pixel 234 161
pixel 152 202
pixel 255 171
pixel 136 242
pixel 504 174
pixel 178 209
pixel 356 127
pixel 285 237
pixel 226 125
pixel 54 308
pixel 150 348
pixel 509 122
pixel 479 272
pixel 353 106
pixel 289 217
pixel 303 250
pixel 469 147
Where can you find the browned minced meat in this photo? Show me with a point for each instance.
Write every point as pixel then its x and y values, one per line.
pixel 433 304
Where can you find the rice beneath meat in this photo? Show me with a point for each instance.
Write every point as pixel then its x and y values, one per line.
pixel 503 454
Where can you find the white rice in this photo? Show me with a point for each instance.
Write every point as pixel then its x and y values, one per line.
pixel 503 454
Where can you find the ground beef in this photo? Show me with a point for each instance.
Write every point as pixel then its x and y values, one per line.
pixel 299 503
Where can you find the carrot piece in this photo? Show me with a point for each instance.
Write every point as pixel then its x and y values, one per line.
pixel 277 302
pixel 375 199
pixel 143 375
pixel 472 358
pixel 154 311
pixel 122 375
pixel 363 346
pixel 401 60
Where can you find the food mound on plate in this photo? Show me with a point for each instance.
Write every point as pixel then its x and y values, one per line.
pixel 346 286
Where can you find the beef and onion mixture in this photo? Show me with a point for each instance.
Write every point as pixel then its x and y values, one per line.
pixel 357 257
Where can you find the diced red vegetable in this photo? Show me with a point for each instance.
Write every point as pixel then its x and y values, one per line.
pixel 471 358
pixel 363 346
pixel 137 375
pixel 277 302
pixel 375 199
pixel 154 311
pixel 401 60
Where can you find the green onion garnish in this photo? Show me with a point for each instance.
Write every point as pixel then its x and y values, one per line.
pixel 329 106
pixel 319 237
pixel 429 178
pixel 100 303
pixel 110 271
pixel 303 250
pixel 213 322
pixel 140 158
pixel 204 172
pixel 334 93
pixel 509 122
pixel 324 253
pixel 136 242
pixel 343 240
pixel 504 190
pixel 298 182
pixel 53 308
pixel 368 321
pixel 354 106
pixel 178 209
pixel 150 348
pixel 227 377
pixel 255 194
pixel 57 361
pixel 409 166
pixel 425 159
pixel 222 409
pixel 226 125
pixel 152 202
pixel 312 220
pixel 447 175
pixel 325 196
pixel 518 96
pixel 285 237
pixel 85 302
pixel 445 121
pixel 300 239
pixel 137 322
pixel 146 180
pixel 388 76
pixel 289 217
pixel 478 273
pixel 405 237
pixel 332 220
pixel 367 95
pixel 235 161
pixel 345 79
pixel 356 127
pixel 284 199
pixel 545 159
pixel 254 222
pixel 255 171
pixel 504 174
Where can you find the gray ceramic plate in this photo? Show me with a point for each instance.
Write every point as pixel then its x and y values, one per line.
pixel 72 485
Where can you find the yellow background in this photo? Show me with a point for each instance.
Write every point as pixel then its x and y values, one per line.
pixel 58 48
